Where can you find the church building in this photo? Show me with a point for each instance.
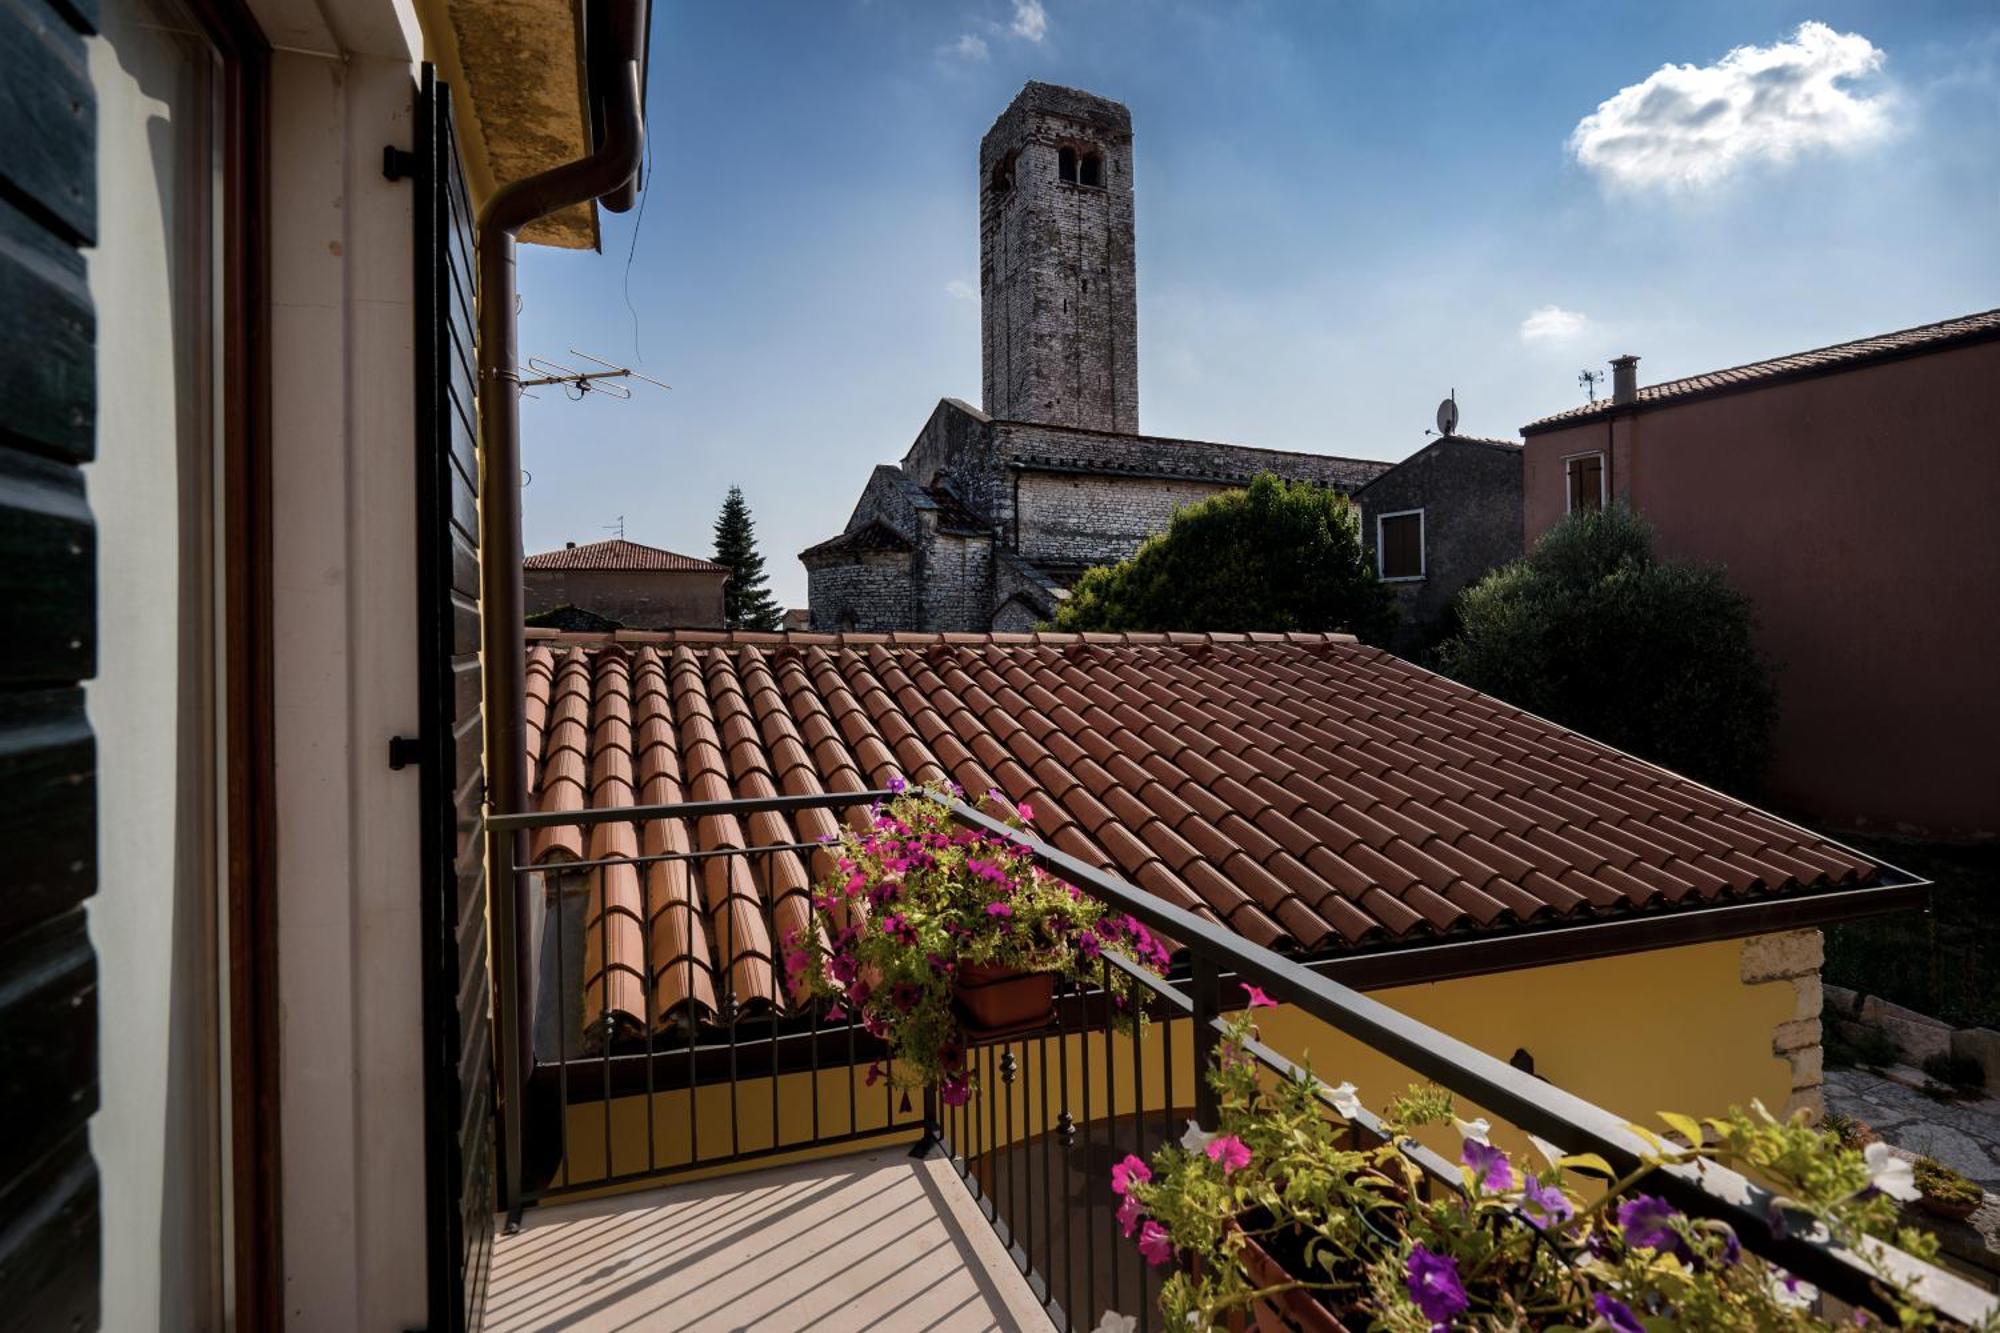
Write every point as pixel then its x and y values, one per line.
pixel 992 514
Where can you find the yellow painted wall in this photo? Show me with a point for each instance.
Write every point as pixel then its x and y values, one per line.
pixel 1670 1030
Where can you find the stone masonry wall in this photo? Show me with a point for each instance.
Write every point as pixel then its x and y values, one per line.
pixel 636 598
pixel 1058 279
pixel 1470 493
pixel 1079 519
pixel 955 583
pixel 1793 959
pixel 874 593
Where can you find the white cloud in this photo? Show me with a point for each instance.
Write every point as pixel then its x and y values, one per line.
pixel 1551 325
pixel 1690 126
pixel 960 289
pixel 1031 21
pixel 969 46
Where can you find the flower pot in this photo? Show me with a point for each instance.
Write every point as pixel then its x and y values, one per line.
pixel 1001 1000
pixel 1951 1210
pixel 1294 1311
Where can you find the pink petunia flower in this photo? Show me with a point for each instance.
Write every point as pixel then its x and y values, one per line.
pixel 1132 1171
pixel 1258 999
pixel 1130 1214
pixel 1155 1244
pixel 1230 1152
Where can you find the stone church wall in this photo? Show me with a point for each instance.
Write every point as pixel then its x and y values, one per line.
pixel 874 592
pixel 956 582
pixel 1077 519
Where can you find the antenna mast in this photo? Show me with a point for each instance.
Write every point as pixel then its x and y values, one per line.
pixel 1590 379
pixel 576 383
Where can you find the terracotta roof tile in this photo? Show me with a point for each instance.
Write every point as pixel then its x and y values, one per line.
pixel 1904 342
pixel 620 554
pixel 1311 793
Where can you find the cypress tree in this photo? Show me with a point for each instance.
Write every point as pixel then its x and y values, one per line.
pixel 746 601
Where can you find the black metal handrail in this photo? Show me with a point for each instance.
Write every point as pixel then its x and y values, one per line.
pixel 1210 957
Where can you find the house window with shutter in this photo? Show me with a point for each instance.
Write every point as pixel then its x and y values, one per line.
pixel 1584 482
pixel 1399 545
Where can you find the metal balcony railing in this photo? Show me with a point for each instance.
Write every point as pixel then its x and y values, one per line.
pixel 682 1049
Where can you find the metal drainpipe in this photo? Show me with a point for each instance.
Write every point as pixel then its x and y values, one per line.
pixel 604 172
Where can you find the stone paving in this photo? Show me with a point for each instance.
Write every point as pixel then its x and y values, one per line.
pixel 1964 1135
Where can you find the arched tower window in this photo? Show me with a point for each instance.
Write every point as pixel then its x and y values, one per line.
pixel 1091 171
pixel 1066 164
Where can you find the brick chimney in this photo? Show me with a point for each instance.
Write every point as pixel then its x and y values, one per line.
pixel 1624 380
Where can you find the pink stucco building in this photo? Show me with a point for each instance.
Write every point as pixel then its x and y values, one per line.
pixel 1853 492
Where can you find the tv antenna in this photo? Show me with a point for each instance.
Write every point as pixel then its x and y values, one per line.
pixel 576 383
pixel 618 527
pixel 1590 379
pixel 1447 415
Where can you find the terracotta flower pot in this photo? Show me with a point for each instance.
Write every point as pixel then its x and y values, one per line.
pixel 1294 1311
pixel 1952 1210
pixel 994 1000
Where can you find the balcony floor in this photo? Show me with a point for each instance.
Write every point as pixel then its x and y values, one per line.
pixel 875 1240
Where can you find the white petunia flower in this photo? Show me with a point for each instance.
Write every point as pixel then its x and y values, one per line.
pixel 1890 1173
pixel 1788 1290
pixel 1196 1138
pixel 1476 1130
pixel 1113 1322
pixel 1550 1153
pixel 1347 1101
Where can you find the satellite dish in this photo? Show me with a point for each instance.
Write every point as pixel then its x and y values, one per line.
pixel 1448 414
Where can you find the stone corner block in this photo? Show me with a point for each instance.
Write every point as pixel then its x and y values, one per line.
pixel 1792 953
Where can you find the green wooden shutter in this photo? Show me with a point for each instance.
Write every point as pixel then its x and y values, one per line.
pixel 50 1234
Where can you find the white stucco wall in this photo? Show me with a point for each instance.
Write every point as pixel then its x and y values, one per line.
pixel 153 921
pixel 346 677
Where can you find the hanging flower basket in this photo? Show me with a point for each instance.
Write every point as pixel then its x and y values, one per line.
pixel 950 935
pixel 1294 1311
pixel 995 1001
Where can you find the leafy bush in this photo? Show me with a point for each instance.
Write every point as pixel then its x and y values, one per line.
pixel 1593 630
pixel 1279 556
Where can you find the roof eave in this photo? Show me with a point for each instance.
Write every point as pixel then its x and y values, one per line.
pixel 1640 932
pixel 1609 411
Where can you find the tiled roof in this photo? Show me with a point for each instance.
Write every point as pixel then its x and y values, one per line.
pixel 619 554
pixel 873 535
pixel 1314 794
pixel 1904 342
pixel 1240 466
pixel 954 515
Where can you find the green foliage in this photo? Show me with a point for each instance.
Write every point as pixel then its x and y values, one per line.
pixel 1522 1247
pixel 1938 1181
pixel 1280 556
pixel 746 600
pixel 1941 962
pixel 1591 629
pixel 913 898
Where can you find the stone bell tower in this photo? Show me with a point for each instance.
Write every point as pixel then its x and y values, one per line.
pixel 1059 317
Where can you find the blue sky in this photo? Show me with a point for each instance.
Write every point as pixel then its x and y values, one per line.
pixel 1344 210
